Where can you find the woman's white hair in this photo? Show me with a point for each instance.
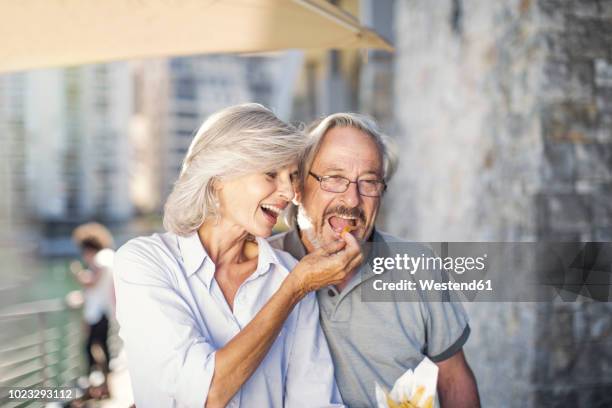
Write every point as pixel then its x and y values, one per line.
pixel 233 142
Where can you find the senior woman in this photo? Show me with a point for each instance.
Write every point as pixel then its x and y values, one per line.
pixel 199 305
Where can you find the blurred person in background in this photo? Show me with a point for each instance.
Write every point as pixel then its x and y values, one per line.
pixel 95 243
pixel 209 313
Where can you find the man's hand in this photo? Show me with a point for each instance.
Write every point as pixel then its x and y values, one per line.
pixel 328 265
pixel 456 383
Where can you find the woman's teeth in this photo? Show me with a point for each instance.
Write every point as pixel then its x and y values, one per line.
pixel 275 210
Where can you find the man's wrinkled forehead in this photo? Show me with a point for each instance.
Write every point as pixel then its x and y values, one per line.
pixel 339 152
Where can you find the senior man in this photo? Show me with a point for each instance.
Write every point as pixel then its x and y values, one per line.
pixel 344 177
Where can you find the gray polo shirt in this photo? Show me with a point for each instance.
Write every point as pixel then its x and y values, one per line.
pixel 378 341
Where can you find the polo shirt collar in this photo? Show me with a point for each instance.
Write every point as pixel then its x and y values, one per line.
pixel 364 272
pixel 378 247
pixel 293 244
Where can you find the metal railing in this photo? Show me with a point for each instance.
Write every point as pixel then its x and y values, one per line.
pixel 40 346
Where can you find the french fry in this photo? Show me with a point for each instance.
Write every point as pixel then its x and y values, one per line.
pixel 418 394
pixel 391 403
pixel 414 389
pixel 404 404
pixel 348 228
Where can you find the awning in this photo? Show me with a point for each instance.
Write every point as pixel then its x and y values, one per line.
pixel 48 33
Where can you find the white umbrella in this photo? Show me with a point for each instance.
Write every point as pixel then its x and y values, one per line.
pixel 47 33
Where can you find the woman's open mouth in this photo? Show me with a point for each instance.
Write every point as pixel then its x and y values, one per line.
pixel 271 212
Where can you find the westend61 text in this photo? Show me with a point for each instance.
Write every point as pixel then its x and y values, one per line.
pixel 430 284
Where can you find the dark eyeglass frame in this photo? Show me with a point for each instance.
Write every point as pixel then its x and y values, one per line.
pixel 321 179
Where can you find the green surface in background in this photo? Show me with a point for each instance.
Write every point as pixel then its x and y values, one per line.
pixel 46 279
pixel 53 281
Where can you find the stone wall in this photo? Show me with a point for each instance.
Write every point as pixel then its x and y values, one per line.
pixel 504 111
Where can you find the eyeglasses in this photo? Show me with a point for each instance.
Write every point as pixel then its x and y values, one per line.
pixel 339 184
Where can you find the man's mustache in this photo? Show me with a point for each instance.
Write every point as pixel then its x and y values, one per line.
pixel 340 210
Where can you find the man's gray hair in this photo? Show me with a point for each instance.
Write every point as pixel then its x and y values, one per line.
pixel 233 142
pixel 316 132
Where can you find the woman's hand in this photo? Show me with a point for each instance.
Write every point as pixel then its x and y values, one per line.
pixel 240 357
pixel 329 265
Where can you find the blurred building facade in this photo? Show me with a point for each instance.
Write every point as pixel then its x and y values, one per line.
pixel 329 80
pixel 376 78
pixel 13 145
pixel 67 136
pixel 106 141
pixel 503 112
pixel 199 86
pixel 173 98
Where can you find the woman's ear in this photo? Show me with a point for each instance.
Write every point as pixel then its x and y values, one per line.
pixel 216 185
pixel 214 189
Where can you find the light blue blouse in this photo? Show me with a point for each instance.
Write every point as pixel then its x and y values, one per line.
pixel 173 318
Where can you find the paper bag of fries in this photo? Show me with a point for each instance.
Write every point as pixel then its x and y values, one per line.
pixel 413 389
